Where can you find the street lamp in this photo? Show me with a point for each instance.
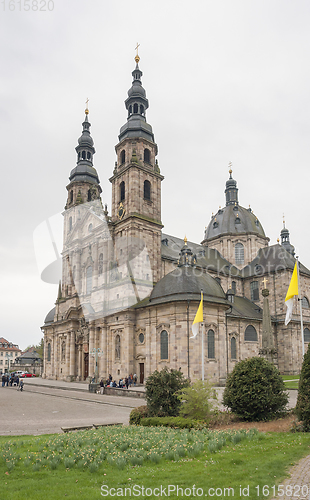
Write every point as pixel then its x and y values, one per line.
pixel 7 355
pixel 95 352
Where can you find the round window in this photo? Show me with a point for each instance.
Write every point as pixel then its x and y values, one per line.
pixel 141 338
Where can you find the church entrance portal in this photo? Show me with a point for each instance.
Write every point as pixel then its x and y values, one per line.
pixel 141 372
pixel 85 365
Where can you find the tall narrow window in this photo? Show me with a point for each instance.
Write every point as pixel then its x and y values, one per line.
pixel 100 264
pixel 49 352
pixel 71 196
pixel 233 286
pixel 117 347
pixel 147 155
pixel 147 190
pixel 89 279
pixel 306 335
pixel 164 345
pixel 135 108
pixel 89 195
pixel 211 349
pixel 305 303
pixel 122 191
pixel 233 348
pixel 63 351
pixel 123 156
pixel 84 155
pixel 70 223
pixel 239 253
pixel 254 290
pixel 141 109
pixel 250 334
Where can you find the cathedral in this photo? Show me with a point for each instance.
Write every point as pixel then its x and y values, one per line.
pixel 129 292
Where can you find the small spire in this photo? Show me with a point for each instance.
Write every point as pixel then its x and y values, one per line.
pixel 283 221
pixel 87 110
pixel 185 240
pixel 137 58
pixel 230 169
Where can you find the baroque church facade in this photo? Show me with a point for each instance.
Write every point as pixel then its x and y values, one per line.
pixel 129 293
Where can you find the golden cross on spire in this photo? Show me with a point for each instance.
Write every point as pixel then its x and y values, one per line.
pixel 265 281
pixel 283 221
pixel 185 240
pixel 86 110
pixel 230 169
pixel 137 58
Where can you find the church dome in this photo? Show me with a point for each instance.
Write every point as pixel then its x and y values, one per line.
pixel 186 282
pixel 234 219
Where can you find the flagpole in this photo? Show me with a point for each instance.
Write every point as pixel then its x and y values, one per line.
pixel 300 308
pixel 202 357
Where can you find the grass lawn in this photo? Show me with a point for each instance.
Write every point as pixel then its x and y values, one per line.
pixel 86 465
pixel 291 385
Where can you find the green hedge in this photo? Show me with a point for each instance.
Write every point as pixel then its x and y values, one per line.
pixel 174 422
pixel 137 413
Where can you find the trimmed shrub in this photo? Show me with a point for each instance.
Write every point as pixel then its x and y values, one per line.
pixel 255 390
pixel 174 422
pixel 136 414
pixel 303 399
pixel 161 392
pixel 197 400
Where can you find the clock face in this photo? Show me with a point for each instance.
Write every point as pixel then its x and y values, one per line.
pixel 121 211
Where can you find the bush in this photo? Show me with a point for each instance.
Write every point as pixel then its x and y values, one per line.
pixel 136 414
pixel 255 390
pixel 161 392
pixel 197 400
pixel 303 399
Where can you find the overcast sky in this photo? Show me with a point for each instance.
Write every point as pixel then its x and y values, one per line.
pixel 226 81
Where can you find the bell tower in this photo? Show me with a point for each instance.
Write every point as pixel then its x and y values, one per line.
pixel 136 180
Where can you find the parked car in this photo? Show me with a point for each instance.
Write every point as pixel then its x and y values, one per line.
pixel 26 374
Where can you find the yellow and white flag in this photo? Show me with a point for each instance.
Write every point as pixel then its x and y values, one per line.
pixel 292 291
pixel 198 318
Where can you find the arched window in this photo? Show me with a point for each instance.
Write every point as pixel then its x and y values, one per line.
pixel 70 223
pixel 49 352
pixel 89 279
pixel 211 347
pixel 130 109
pixel 254 290
pixel 250 334
pixel 117 347
pixel 71 196
pixel 306 335
pixel 88 155
pixel 135 108
pixel 89 195
pixel 233 286
pixel 147 155
pixel 141 109
pixel 122 191
pixel 63 351
pixel 147 190
pixel 79 155
pixel 233 348
pixel 305 303
pixel 164 345
pixel 83 155
pixel 123 156
pixel 239 253
pixel 100 266
pixel 90 227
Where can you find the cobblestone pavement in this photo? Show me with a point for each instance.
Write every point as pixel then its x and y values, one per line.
pixel 298 484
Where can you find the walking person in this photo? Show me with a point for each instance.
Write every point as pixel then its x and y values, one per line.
pixel 135 379
pixel 101 386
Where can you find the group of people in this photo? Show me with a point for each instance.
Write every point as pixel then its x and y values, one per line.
pixel 11 379
pixel 121 384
